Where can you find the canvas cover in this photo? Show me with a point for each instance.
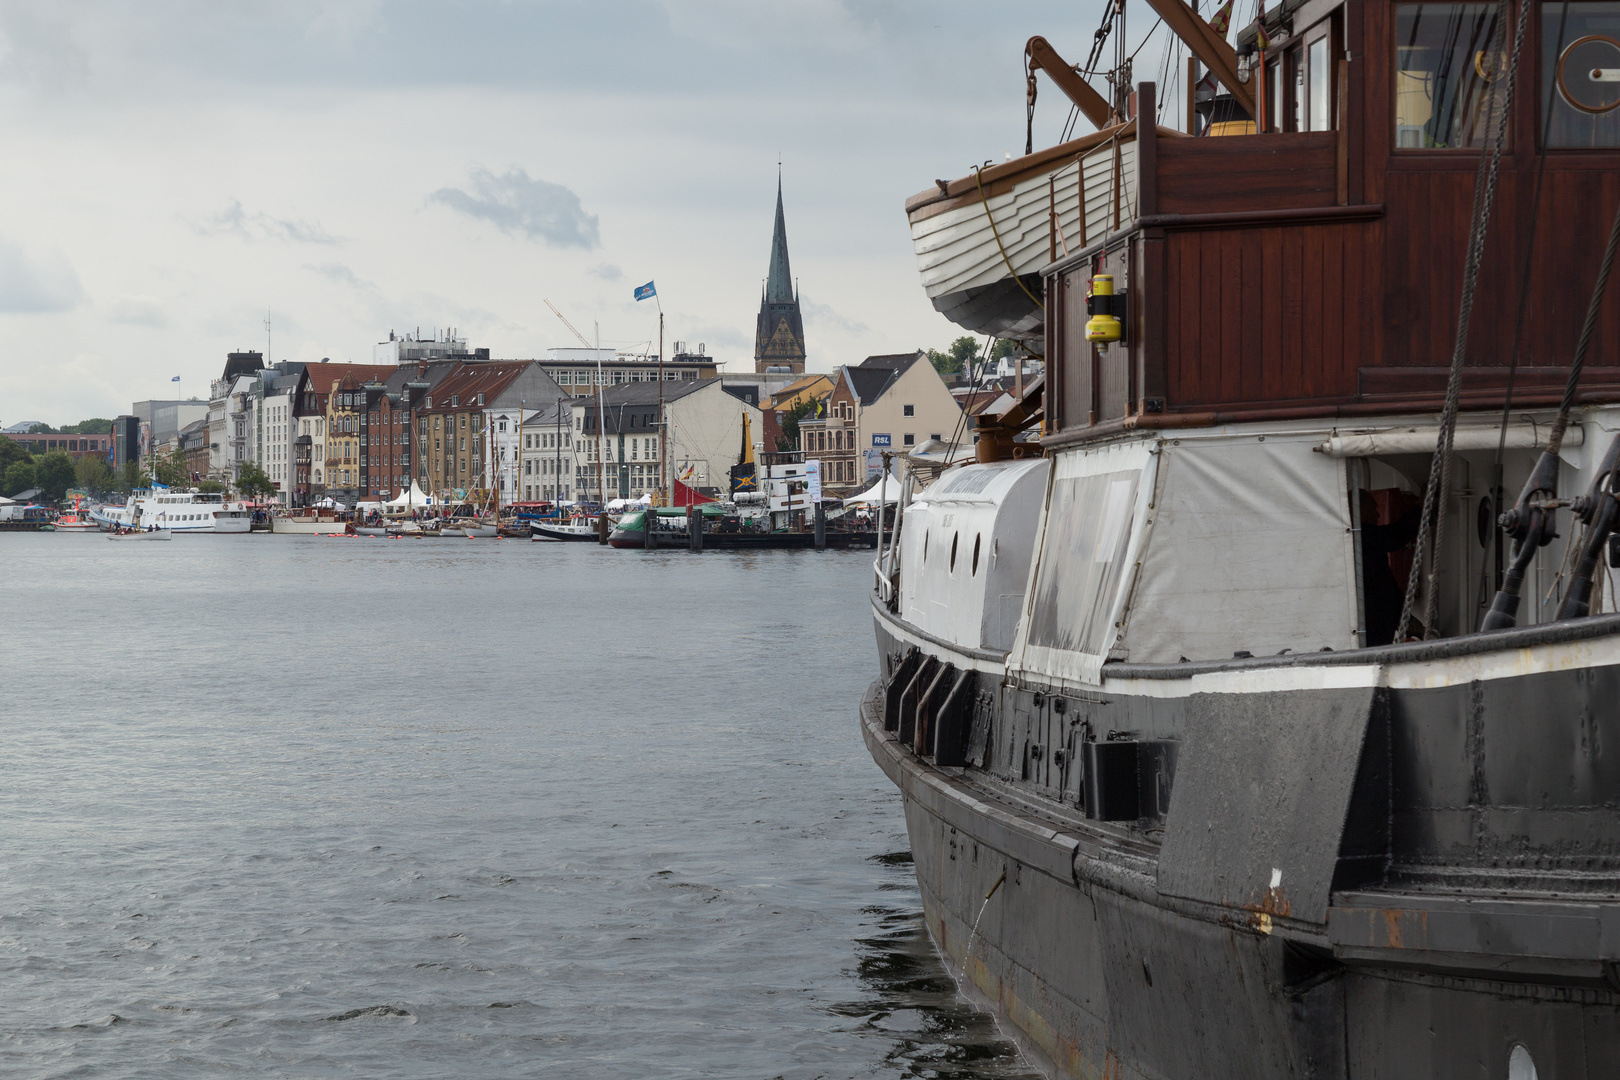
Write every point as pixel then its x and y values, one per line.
pixel 1251 550
pixel 1087 549
pixel 1156 550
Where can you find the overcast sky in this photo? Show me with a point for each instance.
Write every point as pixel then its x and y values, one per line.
pixel 176 168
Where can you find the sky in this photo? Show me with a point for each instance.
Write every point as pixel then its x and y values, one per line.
pixel 179 171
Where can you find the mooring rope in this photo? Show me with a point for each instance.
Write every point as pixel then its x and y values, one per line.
pixel 984 201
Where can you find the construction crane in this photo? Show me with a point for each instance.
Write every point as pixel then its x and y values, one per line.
pixel 568 324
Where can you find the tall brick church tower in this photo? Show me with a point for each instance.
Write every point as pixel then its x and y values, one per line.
pixel 779 336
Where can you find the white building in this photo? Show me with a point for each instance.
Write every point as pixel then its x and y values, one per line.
pixel 271 425
pixel 702 424
pixel 543 470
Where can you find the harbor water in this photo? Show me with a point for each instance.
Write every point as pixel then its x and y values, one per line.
pixel 306 806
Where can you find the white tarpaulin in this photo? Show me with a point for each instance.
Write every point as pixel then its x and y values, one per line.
pixel 877 493
pixel 1250 550
pixel 405 500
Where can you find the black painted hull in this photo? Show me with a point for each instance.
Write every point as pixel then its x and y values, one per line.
pixel 1434 964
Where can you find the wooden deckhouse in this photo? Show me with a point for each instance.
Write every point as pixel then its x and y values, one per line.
pixel 1314 269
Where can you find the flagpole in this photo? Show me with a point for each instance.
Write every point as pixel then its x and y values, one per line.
pixel 663 491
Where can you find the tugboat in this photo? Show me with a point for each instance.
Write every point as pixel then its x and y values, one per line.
pixel 1260 717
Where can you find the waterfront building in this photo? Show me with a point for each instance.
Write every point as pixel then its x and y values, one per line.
pixel 546 471
pixel 454 423
pixel 777 407
pixel 779 330
pixel 701 430
pixel 345 405
pixel 193 443
pixel 76 446
pixel 227 414
pixel 415 349
pixel 126 439
pixel 165 418
pixel 272 425
pixel 893 402
pixel 524 450
pixel 576 370
pixel 314 397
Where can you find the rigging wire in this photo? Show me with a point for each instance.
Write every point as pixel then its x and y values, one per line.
pixel 1435 496
pixel 973 388
pixel 1524 296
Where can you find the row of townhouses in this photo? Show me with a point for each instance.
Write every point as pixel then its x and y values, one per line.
pixel 454 420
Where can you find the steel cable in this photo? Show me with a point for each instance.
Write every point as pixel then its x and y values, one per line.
pixel 1437 491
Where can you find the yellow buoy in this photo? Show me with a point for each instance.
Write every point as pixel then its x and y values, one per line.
pixel 1103 326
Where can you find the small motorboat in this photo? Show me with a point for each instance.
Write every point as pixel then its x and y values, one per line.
pixel 77 519
pixel 139 534
pixel 578 530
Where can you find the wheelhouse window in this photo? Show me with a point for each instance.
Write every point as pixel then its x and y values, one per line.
pixel 1448 59
pixel 1581 74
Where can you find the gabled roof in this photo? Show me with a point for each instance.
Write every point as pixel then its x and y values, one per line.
pixel 872 377
pixel 462 386
pixel 785 397
pixel 323 377
pixel 633 407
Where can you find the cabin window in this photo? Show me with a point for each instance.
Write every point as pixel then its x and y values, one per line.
pixel 1274 87
pixel 1298 117
pixel 1321 94
pixel 1581 74
pixel 1447 58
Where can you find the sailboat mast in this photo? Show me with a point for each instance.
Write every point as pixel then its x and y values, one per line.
pixel 601 428
pixel 663 490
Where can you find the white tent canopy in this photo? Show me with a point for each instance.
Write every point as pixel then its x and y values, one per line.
pixel 405 500
pixel 7 502
pixel 878 492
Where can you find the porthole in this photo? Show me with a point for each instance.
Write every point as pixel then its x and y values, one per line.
pixel 954 538
pixel 1520 1064
pixel 975 572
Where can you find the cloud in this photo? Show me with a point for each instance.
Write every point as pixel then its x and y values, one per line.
pixel 823 315
pixel 606 271
pixel 520 205
pixel 38 46
pixel 234 220
pixel 34 284
pixel 339 273
pixel 137 311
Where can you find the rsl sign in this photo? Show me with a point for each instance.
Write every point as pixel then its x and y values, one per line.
pixel 880 438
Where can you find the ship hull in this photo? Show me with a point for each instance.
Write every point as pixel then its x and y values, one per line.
pixel 1096 972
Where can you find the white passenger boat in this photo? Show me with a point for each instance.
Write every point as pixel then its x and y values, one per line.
pixel 178 511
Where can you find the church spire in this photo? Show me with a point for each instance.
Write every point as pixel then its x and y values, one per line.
pixel 779 335
pixel 779 285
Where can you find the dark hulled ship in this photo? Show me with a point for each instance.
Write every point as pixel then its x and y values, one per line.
pixel 1260 715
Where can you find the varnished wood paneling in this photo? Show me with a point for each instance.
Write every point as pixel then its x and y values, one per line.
pixel 1247 172
pixel 1269 324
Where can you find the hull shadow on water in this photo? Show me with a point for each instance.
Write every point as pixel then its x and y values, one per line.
pixel 912 1000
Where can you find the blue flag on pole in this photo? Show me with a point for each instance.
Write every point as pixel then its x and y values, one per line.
pixel 646 292
pixel 175 379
